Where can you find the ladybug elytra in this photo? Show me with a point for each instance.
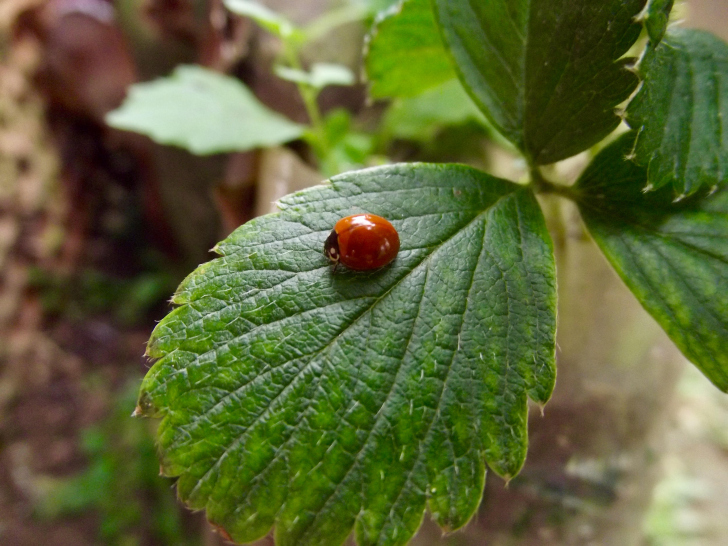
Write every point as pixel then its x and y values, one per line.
pixel 362 242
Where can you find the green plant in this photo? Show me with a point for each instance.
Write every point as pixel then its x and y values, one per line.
pixel 193 107
pixel 122 484
pixel 321 403
pixel 91 292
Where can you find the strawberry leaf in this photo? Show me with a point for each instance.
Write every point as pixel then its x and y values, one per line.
pixel 319 403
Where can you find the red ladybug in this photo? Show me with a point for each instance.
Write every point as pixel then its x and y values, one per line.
pixel 362 242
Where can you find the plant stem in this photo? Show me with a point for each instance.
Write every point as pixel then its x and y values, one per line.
pixel 309 96
pixel 543 185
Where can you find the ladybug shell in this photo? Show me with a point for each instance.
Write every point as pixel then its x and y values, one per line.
pixel 362 242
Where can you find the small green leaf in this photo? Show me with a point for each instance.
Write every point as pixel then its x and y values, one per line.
pixel 271 21
pixel 320 75
pixel 681 112
pixel 348 148
pixel 419 118
pixel 673 256
pixel 656 19
pixel 203 112
pixel 405 55
pixel 547 73
pixel 321 402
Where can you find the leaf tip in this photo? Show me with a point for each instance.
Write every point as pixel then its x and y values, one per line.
pixel 445 526
pixel 150 351
pixel 181 295
pixel 220 531
pixel 634 68
pixel 145 407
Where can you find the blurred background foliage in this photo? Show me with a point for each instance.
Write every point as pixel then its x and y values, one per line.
pixel 97 227
pixel 121 483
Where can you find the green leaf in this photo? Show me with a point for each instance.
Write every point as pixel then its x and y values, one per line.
pixel 681 112
pixel 323 402
pixel 271 21
pixel 320 75
pixel 657 16
pixel 547 73
pixel 203 112
pixel 348 148
pixel 419 118
pixel 673 256
pixel 405 55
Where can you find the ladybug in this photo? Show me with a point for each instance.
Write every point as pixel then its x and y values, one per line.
pixel 362 242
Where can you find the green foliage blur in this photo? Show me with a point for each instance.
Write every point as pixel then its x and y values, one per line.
pixel 90 292
pixel 121 484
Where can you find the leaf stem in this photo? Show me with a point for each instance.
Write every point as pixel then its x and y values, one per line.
pixel 541 184
pixel 309 96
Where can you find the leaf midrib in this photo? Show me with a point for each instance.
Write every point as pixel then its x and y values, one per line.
pixel 655 232
pixel 329 346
